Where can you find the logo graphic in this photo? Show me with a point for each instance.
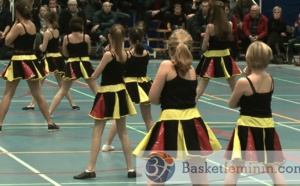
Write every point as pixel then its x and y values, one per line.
pixel 160 167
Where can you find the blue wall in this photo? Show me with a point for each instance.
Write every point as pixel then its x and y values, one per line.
pixel 290 9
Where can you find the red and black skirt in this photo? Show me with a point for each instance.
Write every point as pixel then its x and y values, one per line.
pixel 180 133
pixel 78 67
pixel 24 67
pixel 255 140
pixel 112 102
pixel 217 64
pixel 53 62
pixel 138 88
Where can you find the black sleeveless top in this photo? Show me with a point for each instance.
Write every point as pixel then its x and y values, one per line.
pixel 137 66
pixel 113 72
pixel 257 104
pixel 178 93
pixel 23 44
pixel 216 44
pixel 77 49
pixel 53 43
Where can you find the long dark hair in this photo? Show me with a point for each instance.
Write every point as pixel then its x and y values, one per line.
pixel 220 22
pixel 136 36
pixel 24 8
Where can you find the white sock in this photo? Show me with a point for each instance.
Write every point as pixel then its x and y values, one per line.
pixel 131 170
pixel 87 170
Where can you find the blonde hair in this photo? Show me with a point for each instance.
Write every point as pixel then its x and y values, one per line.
pixel 180 44
pixel 258 55
pixel 117 34
pixel 277 8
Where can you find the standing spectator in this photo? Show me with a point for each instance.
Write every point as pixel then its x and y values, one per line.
pixel 5 23
pixel 254 138
pixel 216 61
pixel 23 64
pixel 180 130
pixel 111 102
pixel 156 9
pixel 277 31
pixel 67 14
pixel 255 27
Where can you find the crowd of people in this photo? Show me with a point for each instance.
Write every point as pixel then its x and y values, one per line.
pixel 124 82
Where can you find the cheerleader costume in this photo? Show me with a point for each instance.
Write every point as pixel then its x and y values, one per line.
pixel 78 64
pixel 216 62
pixel 112 100
pixel 137 83
pixel 180 130
pixel 23 63
pixel 53 60
pixel 254 138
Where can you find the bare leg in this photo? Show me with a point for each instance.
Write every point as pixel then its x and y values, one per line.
pixel 68 95
pixel 66 85
pixel 9 93
pixel 96 141
pixel 232 177
pixel 93 85
pixel 198 179
pixel 123 135
pixel 112 133
pixel 231 81
pixel 146 114
pixel 201 87
pixel 32 103
pixel 35 89
pixel 277 177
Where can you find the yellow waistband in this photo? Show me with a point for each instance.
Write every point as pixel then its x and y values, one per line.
pixel 179 114
pixel 53 54
pixel 112 88
pixel 217 53
pixel 136 79
pixel 255 122
pixel 74 59
pixel 23 57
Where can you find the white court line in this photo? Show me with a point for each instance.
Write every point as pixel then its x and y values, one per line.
pixel 29 167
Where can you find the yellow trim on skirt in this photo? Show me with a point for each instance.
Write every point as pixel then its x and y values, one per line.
pixel 179 114
pixel 112 88
pixel 23 57
pixel 217 53
pixel 57 54
pixel 77 59
pixel 136 79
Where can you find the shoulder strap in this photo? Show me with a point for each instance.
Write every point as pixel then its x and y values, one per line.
pixel 68 38
pixel 252 87
pixel 51 33
pixel 272 85
pixel 24 27
pixel 83 37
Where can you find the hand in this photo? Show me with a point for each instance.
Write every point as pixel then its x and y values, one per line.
pixel 107 48
pixel 283 34
pixel 153 13
pixel 94 28
pixel 247 71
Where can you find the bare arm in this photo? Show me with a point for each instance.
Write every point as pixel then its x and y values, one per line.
pixel 104 61
pixel 159 82
pixel 64 47
pixel 88 41
pixel 15 31
pixel 237 93
pixel 46 38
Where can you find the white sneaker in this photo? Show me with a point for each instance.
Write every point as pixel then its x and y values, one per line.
pixel 106 148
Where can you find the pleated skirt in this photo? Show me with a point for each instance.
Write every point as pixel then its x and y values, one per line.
pixel 138 88
pixel 24 67
pixel 79 67
pixel 112 102
pixel 217 64
pixel 180 133
pixel 53 62
pixel 255 140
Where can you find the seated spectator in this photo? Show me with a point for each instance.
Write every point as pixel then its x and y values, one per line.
pixel 87 7
pixel 255 27
pixel 102 21
pixel 177 18
pixel 54 7
pixel 190 8
pixel 141 25
pixel 5 23
pixel 67 14
pixel 292 42
pixel 156 9
pixel 277 31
